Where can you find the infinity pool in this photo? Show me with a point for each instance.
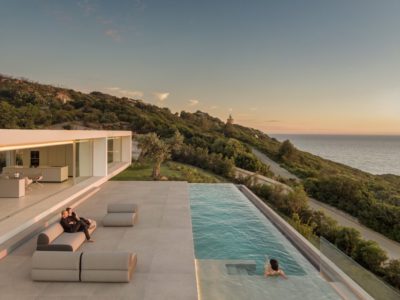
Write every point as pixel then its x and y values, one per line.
pixel 233 239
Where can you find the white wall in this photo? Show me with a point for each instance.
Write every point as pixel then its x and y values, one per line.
pixel 126 149
pixel 117 150
pixel 100 157
pixel 85 158
pixel 60 155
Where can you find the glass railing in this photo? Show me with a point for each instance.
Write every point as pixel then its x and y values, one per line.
pixel 373 285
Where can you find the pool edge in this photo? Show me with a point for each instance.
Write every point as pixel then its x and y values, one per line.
pixel 308 250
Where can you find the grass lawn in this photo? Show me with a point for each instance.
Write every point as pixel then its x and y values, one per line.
pixel 172 170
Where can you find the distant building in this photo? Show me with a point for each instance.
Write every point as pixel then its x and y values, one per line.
pixel 230 120
pixel 63 97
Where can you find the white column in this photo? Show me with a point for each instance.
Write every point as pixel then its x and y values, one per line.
pixel 85 159
pixel 74 162
pixel 100 157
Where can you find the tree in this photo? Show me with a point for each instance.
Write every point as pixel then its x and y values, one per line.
pixel 325 226
pixel 158 150
pixel 286 151
pixel 228 130
pixel 305 229
pixel 176 142
pixel 347 240
pixel 295 201
pixel 8 115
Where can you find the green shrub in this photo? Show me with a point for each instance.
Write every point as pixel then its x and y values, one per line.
pixel 391 272
pixel 370 255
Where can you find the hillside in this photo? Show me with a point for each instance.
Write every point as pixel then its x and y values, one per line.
pixel 375 200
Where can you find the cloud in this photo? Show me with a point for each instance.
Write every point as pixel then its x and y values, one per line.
pixel 213 107
pixel 125 93
pixel 87 6
pixel 253 108
pixel 103 21
pixel 113 88
pixel 193 102
pixel 114 34
pixel 161 96
pixel 61 16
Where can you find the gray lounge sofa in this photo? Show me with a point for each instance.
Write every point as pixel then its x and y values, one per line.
pixel 121 215
pixel 54 238
pixel 83 266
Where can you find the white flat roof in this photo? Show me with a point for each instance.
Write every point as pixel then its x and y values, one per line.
pixel 10 138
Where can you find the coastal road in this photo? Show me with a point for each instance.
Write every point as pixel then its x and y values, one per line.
pixel 273 166
pixel 390 246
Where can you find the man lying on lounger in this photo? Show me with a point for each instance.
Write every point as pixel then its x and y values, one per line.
pixel 70 225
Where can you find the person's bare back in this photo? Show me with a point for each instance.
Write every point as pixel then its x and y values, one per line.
pixel 273 269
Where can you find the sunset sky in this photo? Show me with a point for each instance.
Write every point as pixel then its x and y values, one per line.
pixel 279 66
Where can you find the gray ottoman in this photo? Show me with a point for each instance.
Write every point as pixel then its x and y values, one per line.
pixel 85 267
pixel 122 208
pixel 119 219
pixel 55 266
pixel 108 266
pixel 121 215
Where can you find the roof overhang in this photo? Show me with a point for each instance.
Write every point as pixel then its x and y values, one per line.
pixel 12 139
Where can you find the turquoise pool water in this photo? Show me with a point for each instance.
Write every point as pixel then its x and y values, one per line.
pixel 228 228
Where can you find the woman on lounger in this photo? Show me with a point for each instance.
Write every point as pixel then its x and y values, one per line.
pixel 74 216
pixel 70 225
pixel 273 269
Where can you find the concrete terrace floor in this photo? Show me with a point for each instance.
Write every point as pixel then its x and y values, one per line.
pixel 162 239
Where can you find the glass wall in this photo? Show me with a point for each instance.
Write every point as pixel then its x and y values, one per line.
pixel 11 158
pixel 3 155
pixel 114 146
pixel 368 281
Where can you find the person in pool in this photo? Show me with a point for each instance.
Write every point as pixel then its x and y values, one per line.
pixel 273 269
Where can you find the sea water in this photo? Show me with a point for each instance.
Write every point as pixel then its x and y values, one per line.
pixel 373 154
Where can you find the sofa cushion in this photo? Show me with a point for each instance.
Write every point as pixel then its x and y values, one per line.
pixel 55 239
pixel 106 275
pixel 122 208
pixel 106 260
pixel 108 266
pixel 50 234
pixel 119 219
pixel 55 275
pixel 75 239
pixel 87 267
pixel 55 260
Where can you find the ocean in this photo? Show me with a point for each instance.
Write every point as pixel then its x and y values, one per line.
pixel 373 154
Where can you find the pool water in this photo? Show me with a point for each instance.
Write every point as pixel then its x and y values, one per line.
pixel 230 231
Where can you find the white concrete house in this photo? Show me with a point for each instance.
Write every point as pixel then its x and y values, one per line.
pixel 43 170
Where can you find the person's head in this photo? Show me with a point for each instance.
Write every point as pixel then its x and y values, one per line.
pixel 64 214
pixel 69 210
pixel 274 264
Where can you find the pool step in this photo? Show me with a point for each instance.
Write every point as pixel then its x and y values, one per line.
pixel 241 268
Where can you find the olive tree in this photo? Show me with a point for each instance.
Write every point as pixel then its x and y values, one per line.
pixel 158 150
